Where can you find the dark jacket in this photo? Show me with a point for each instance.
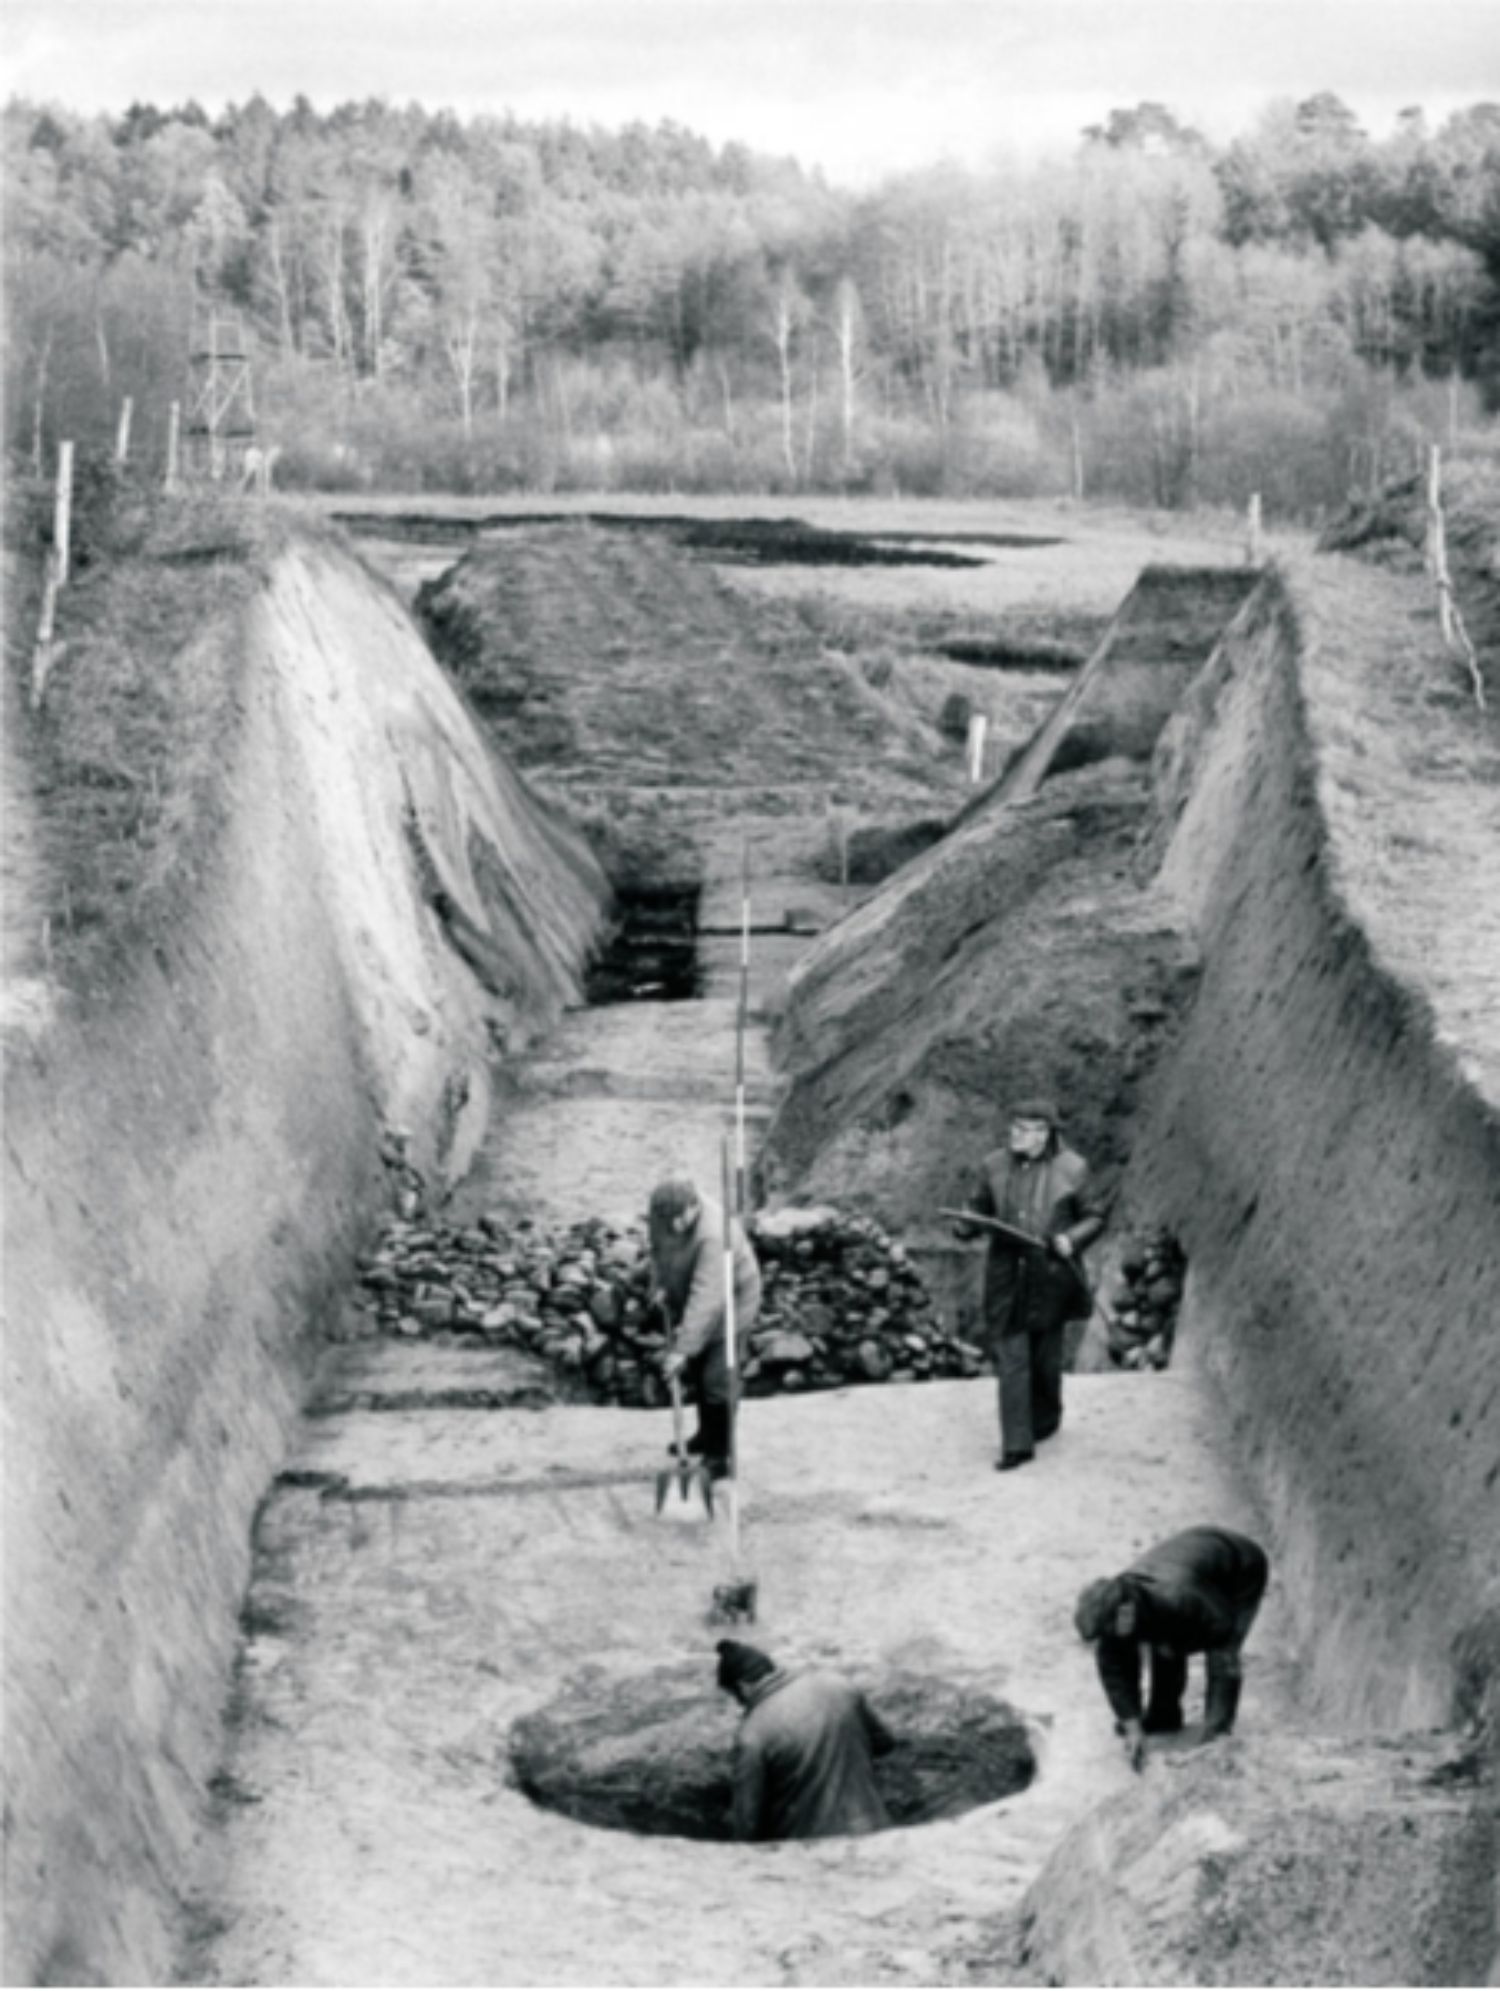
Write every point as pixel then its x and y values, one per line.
pixel 804 1761
pixel 1194 1592
pixel 1026 1291
pixel 688 1271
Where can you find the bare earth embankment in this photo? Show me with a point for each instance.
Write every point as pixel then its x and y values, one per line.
pixel 265 978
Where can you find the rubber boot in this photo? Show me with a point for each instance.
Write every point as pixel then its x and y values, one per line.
pixel 713 1421
pixel 1223 1705
pixel 1168 1678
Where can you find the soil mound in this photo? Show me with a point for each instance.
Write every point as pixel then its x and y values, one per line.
pixel 1380 1872
pixel 682 689
pixel 1016 954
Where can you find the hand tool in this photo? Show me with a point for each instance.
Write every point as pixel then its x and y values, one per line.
pixel 1026 1238
pixel 686 1470
pixel 737 1598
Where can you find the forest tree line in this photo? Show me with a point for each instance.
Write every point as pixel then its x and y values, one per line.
pixel 484 303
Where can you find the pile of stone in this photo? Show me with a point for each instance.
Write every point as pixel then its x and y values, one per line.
pixel 1147 1300
pixel 842 1303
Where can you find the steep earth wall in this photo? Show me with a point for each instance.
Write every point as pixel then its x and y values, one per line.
pixel 1118 703
pixel 1326 1140
pixel 188 1171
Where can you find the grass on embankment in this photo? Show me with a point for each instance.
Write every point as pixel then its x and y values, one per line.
pixel 124 755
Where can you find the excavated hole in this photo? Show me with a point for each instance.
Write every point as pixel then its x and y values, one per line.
pixel 652 955
pixel 652 1754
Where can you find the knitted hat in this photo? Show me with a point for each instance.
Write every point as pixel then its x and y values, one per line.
pixel 740 1664
pixel 1097 1604
pixel 672 1197
pixel 1038 1108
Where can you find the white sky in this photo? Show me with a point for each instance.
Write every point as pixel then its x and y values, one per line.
pixel 860 87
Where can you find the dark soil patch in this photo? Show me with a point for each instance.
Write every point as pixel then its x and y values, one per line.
pixel 872 854
pixel 654 1754
pixel 745 542
pixel 652 952
pixel 1002 653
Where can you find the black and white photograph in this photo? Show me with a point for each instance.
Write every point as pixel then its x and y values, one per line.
pixel 750 1016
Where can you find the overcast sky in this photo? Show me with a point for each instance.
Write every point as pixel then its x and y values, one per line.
pixel 857 86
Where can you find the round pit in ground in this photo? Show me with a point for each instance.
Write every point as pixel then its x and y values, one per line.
pixel 653 1753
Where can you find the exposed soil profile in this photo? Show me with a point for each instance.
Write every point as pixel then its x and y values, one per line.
pixel 652 1753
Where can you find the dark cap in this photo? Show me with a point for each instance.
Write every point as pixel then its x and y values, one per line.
pixel 1038 1107
pixel 673 1197
pixel 739 1664
pixel 1097 1604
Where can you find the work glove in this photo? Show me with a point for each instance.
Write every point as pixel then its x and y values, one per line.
pixel 1062 1245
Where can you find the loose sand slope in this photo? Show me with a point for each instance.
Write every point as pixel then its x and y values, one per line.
pixel 189 1165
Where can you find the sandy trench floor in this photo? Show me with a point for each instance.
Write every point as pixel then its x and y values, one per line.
pixel 428 1575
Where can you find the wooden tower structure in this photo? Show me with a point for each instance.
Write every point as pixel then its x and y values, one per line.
pixel 221 405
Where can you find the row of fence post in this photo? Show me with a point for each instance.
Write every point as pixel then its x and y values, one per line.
pixel 258 460
pixel 257 474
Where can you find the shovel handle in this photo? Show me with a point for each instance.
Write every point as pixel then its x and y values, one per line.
pixel 676 1392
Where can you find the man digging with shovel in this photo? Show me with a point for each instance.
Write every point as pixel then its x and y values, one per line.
pixel 686 1233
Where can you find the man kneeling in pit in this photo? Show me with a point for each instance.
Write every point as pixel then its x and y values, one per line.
pixel 804 1759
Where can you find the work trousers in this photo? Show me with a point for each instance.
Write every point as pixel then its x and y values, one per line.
pixel 707 1379
pixel 1030 1368
pixel 1222 1662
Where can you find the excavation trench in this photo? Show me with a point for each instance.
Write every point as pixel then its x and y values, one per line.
pixel 652 1754
pixel 651 954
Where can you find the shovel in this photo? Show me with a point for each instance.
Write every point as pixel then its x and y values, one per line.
pixel 686 1469
pixel 1096 1305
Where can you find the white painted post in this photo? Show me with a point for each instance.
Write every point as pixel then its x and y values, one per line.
pixel 840 841
pixel 731 1360
pixel 41 661
pixel 62 515
pixel 1437 542
pixel 174 440
pixel 122 434
pixel 978 726
pixel 741 1021
pixel 1254 553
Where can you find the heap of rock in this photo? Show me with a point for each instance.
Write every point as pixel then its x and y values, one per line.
pixel 841 1302
pixel 1147 1299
